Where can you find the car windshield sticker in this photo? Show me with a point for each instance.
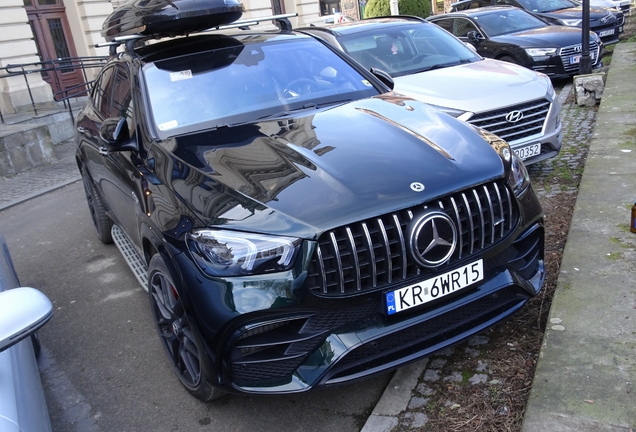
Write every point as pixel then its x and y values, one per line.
pixel 181 75
pixel 168 125
pixel 367 83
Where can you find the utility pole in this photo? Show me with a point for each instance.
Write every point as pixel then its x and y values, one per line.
pixel 585 64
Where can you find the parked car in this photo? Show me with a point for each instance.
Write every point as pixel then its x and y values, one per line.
pixel 622 6
pixel 299 225
pixel 22 312
pixel 429 64
pixel 514 35
pixel 605 23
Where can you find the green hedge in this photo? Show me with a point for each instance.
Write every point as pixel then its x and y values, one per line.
pixel 375 8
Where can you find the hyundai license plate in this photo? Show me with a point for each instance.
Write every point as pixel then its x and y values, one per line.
pixel 434 288
pixel 528 151
pixel 606 32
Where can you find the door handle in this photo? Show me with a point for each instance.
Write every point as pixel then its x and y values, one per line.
pixel 103 151
pixel 81 129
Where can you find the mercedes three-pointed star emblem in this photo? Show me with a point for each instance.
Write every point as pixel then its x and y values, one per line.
pixel 432 239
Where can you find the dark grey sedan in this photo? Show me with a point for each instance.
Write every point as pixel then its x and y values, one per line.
pixel 516 36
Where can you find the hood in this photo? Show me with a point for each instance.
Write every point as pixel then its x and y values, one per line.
pixel 577 12
pixel 548 37
pixel 475 87
pixel 303 175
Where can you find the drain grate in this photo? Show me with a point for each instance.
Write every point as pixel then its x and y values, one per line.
pixel 135 263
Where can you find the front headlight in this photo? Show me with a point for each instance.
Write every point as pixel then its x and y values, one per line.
pixel 541 52
pixel 233 253
pixel 571 22
pixel 518 177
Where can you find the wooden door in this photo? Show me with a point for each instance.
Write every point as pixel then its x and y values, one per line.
pixel 53 39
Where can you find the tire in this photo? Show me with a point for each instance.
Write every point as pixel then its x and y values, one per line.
pixel 181 342
pixel 102 222
pixel 508 59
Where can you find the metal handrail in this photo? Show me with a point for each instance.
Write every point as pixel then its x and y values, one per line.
pixel 57 66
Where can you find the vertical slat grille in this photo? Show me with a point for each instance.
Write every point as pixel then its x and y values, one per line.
pixel 373 254
pixel 534 117
pixel 573 51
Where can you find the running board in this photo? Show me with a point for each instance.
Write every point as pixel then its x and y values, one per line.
pixel 131 256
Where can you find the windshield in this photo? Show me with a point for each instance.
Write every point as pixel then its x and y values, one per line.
pixel 548 5
pixel 407 50
pixel 243 83
pixel 508 21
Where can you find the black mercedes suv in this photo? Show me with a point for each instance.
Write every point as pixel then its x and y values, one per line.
pixel 295 222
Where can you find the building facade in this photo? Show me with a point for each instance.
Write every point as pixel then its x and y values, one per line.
pixel 33 32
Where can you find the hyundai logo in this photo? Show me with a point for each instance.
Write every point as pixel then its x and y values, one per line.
pixel 432 239
pixel 514 116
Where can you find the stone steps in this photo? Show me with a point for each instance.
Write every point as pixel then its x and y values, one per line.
pixel 27 140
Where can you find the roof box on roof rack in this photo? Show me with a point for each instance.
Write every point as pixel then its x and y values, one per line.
pixel 166 18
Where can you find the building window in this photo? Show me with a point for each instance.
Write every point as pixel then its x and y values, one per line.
pixel 329 7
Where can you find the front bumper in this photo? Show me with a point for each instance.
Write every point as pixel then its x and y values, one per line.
pixel 551 139
pixel 321 342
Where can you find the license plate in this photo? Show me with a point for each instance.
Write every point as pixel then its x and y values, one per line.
pixel 577 58
pixel 434 288
pixel 528 151
pixel 606 33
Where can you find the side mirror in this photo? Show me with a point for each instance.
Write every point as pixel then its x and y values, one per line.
pixel 22 312
pixel 115 134
pixel 474 36
pixel 384 77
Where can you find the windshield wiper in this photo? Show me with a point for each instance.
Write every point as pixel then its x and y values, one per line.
pixel 444 65
pixel 287 112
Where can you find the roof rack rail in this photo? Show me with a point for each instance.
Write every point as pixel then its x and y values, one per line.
pixel 281 22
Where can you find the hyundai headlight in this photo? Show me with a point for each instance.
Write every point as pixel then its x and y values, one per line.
pixel 541 52
pixel 571 22
pixel 232 253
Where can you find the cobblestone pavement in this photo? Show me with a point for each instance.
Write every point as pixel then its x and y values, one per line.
pixel 563 172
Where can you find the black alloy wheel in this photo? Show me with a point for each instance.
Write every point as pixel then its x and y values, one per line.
pixel 103 224
pixel 178 338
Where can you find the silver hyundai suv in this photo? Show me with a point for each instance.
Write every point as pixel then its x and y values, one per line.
pixel 428 63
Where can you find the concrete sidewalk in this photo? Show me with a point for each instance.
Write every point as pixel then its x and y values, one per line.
pixel 586 373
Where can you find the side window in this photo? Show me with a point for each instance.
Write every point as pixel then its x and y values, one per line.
pixel 95 93
pixel 462 26
pixel 104 92
pixel 121 104
pixel 446 24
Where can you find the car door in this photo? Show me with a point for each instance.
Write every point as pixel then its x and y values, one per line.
pixel 461 27
pixel 114 173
